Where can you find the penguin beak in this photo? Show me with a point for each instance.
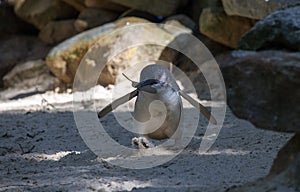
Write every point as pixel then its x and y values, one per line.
pixel 133 83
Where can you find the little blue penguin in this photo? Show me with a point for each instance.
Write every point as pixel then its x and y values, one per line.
pixel 157 84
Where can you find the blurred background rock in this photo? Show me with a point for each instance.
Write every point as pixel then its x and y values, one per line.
pixel 256 44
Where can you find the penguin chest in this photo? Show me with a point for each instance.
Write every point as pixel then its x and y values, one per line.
pixel 158 113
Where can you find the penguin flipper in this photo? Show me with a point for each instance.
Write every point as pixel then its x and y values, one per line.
pixel 198 105
pixel 117 103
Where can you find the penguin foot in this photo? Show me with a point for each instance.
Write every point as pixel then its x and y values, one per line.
pixel 141 143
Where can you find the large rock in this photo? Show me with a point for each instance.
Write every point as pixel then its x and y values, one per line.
pixel 18 49
pixel 141 14
pixel 263 87
pixel 182 20
pixel 286 157
pixel 281 30
pixel 27 70
pixel 11 24
pixel 31 74
pixel 64 59
pixel 28 78
pixel 255 9
pixel 284 174
pixel 105 4
pixel 194 8
pixel 222 28
pixel 78 5
pixel 40 13
pixel 186 64
pixel 58 31
pixel 91 17
pixel 156 7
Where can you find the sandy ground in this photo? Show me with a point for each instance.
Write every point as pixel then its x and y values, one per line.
pixel 41 150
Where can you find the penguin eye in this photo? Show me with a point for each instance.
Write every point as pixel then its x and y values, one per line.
pixel 148 82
